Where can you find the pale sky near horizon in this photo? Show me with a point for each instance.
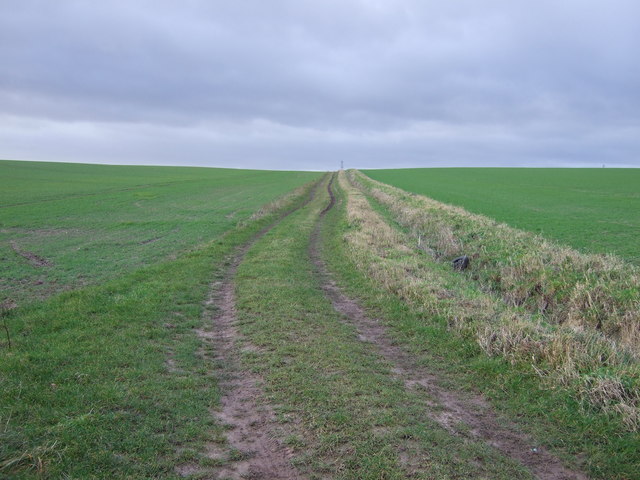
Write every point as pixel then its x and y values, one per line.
pixel 288 84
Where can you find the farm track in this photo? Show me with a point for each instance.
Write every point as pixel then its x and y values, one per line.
pixel 253 451
pixel 451 408
pixel 249 422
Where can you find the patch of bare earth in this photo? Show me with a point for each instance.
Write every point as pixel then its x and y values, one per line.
pixel 256 451
pixel 150 240
pixel 450 408
pixel 32 258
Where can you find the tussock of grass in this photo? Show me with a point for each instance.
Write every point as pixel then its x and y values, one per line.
pixel 602 372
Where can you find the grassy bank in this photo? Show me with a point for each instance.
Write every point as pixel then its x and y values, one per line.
pixel 585 291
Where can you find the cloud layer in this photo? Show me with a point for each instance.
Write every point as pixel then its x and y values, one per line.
pixel 289 84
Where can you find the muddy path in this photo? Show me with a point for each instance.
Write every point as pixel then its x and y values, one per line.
pixel 450 408
pixel 255 452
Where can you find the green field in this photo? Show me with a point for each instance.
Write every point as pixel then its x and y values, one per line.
pixel 85 388
pixel 90 223
pixel 594 210
pixel 207 323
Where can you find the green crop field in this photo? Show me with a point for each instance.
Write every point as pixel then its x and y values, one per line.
pixel 198 323
pixel 595 210
pixel 90 223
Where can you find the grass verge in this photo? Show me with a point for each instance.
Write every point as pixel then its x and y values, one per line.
pixel 562 285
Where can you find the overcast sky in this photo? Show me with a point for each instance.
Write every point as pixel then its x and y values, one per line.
pixel 304 84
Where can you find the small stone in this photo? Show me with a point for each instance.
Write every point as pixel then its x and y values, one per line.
pixel 460 263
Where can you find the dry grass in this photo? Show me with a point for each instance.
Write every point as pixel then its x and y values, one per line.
pixel 600 371
pixel 35 460
pixel 565 286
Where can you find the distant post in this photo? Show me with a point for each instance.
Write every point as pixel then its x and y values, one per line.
pixel 341 164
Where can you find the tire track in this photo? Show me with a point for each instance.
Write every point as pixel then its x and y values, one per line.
pixel 451 407
pixel 258 454
pixel 33 259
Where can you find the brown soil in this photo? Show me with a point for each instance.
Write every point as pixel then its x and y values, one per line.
pixel 250 420
pixel 32 258
pixel 451 408
pixel 150 240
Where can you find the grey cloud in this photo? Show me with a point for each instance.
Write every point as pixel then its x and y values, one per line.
pixel 291 84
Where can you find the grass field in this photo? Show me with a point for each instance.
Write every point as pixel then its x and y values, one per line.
pixel 107 380
pixel 594 210
pixel 299 325
pixel 63 226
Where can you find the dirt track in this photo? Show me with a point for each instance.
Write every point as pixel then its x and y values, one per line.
pixel 251 422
